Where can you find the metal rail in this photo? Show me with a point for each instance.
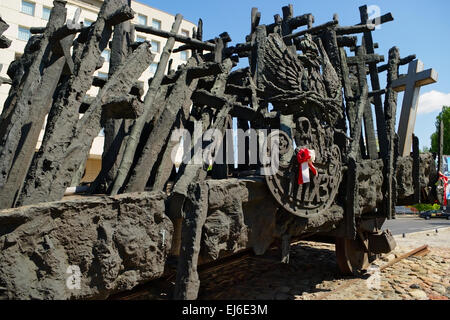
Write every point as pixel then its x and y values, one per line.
pixel 141 290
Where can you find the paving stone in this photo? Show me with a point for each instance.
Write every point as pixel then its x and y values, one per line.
pixel 413 278
pixel 439 288
pixel 400 291
pixel 418 294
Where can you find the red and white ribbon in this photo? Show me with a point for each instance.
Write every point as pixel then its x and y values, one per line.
pixel 445 179
pixel 305 159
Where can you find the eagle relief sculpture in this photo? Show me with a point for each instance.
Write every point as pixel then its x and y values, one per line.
pixel 307 88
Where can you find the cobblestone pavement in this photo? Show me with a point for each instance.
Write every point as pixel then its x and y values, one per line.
pixel 312 274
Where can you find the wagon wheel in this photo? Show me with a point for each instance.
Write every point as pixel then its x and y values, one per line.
pixel 351 256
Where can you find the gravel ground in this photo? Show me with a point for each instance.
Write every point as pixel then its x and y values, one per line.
pixel 312 275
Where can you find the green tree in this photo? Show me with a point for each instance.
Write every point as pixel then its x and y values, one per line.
pixel 425 149
pixel 445 115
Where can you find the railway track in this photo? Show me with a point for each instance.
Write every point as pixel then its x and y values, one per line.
pixel 220 276
pixel 213 276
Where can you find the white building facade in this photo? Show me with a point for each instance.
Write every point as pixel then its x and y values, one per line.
pixel 21 15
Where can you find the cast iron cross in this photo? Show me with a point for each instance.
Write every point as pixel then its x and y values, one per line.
pixel 361 60
pixel 375 82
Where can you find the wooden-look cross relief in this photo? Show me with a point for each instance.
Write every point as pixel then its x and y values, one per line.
pixel 411 84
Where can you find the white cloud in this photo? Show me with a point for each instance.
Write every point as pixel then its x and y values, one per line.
pixel 433 101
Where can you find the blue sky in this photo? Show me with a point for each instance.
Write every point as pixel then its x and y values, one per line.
pixel 420 27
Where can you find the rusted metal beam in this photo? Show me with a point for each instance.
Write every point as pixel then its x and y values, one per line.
pixel 414 252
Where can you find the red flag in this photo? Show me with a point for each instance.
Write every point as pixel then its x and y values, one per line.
pixel 445 179
pixel 305 162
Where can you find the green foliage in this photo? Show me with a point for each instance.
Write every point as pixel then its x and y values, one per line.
pixel 445 115
pixel 421 207
pixel 436 206
pixel 425 150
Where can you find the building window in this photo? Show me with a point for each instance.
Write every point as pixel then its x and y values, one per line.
pixel 140 39
pixel 184 55
pixel 142 19
pixel 106 55
pixel 155 46
pixel 153 68
pixel 87 22
pixel 185 33
pixel 156 24
pixel 103 75
pixel 46 13
pixel 24 34
pixel 28 7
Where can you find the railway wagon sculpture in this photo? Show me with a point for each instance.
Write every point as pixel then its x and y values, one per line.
pixel 310 163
